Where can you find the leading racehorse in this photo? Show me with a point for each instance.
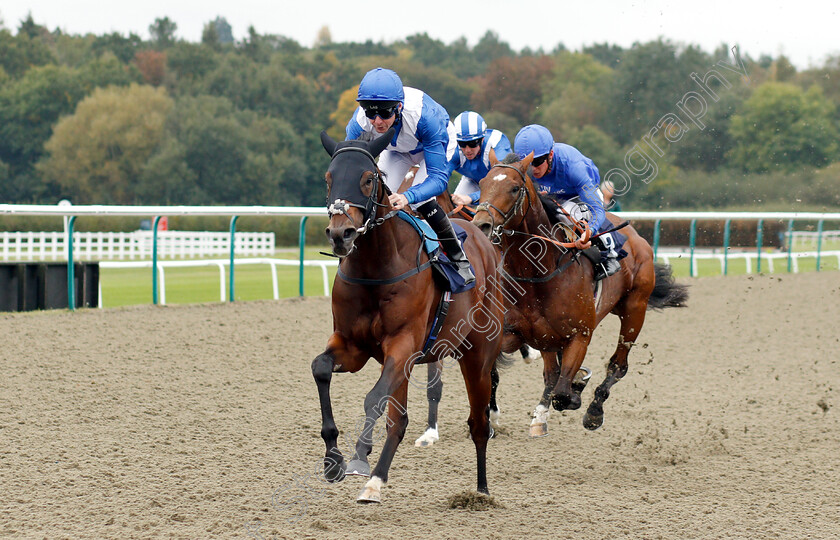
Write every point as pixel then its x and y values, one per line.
pixel 554 303
pixel 386 305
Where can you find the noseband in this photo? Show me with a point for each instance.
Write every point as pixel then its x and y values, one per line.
pixel 498 230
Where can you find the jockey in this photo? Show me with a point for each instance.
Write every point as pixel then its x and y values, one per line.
pixel 425 137
pixel 473 158
pixel 570 178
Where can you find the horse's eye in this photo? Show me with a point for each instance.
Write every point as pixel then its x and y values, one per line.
pixel 368 181
pixel 515 189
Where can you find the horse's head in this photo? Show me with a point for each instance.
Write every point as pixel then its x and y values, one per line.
pixel 354 187
pixel 505 194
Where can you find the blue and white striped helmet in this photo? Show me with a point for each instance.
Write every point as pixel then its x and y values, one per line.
pixel 469 126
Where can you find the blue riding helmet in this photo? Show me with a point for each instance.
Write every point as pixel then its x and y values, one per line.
pixel 534 138
pixel 469 126
pixel 381 84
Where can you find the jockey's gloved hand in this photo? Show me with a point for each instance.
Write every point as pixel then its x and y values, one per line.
pixel 582 241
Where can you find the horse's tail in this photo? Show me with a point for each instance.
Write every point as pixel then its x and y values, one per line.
pixel 666 292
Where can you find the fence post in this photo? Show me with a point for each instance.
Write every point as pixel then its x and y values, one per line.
pixel 302 244
pixel 759 234
pixel 691 241
pixel 71 278
pixel 656 225
pixel 726 246
pixel 790 244
pixel 154 261
pixel 232 247
pixel 819 242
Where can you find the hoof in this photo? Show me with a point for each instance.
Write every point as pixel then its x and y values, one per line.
pixel 495 417
pixel 492 433
pixel 581 378
pixel 371 493
pixel 428 438
pixel 565 403
pixel 357 467
pixel 593 422
pixel 537 431
pixel 334 471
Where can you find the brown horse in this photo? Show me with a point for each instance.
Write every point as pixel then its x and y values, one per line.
pixel 554 304
pixel 434 378
pixel 385 304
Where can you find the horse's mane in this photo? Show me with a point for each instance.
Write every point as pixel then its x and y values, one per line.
pixel 510 158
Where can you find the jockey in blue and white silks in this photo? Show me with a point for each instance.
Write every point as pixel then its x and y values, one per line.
pixel 424 136
pixel 568 176
pixel 472 160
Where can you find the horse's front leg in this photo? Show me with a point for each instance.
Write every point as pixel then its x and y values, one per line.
pixel 397 421
pixel 337 357
pixel 539 420
pixel 395 372
pixel 434 391
pixel 564 394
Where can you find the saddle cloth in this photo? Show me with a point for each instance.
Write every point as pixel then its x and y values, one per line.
pixel 448 277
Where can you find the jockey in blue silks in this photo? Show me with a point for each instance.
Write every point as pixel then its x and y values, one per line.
pixel 570 178
pixel 424 136
pixel 472 160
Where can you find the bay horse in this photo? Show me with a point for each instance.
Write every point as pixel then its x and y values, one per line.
pixel 384 304
pixel 552 295
pixel 434 377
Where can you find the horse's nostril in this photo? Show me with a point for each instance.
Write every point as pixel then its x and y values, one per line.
pixel 348 232
pixel 485 228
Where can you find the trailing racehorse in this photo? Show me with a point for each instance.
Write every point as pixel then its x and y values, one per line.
pixel 386 305
pixel 554 303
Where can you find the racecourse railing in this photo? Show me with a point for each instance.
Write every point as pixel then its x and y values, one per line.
pixel 110 245
pixel 74 212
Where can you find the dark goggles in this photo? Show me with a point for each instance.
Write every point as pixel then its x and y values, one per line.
pixel 470 144
pixel 383 113
pixel 539 160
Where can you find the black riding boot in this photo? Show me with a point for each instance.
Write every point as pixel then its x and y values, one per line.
pixel 609 264
pixel 440 223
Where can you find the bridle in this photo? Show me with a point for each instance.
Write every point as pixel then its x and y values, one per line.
pixel 498 230
pixel 340 206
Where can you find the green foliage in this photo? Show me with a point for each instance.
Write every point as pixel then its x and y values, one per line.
pixel 649 80
pixel 122 128
pixel 22 52
pixel 212 153
pixel 244 124
pixel 782 127
pixel 124 48
pixel 163 32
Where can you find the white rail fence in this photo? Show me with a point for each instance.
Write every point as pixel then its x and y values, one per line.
pixel 221 264
pixel 748 257
pixel 43 246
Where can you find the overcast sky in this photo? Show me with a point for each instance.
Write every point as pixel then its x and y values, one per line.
pixel 806 31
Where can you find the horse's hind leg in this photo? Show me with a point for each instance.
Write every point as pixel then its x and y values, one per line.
pixel 434 390
pixel 479 386
pixel 632 316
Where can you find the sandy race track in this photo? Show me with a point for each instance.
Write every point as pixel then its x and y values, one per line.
pixel 203 422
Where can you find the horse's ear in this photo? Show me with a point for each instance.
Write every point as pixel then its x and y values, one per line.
pixel 328 142
pixel 493 159
pixel 526 161
pixel 380 143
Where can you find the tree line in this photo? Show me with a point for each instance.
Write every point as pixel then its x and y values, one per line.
pixel 116 119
